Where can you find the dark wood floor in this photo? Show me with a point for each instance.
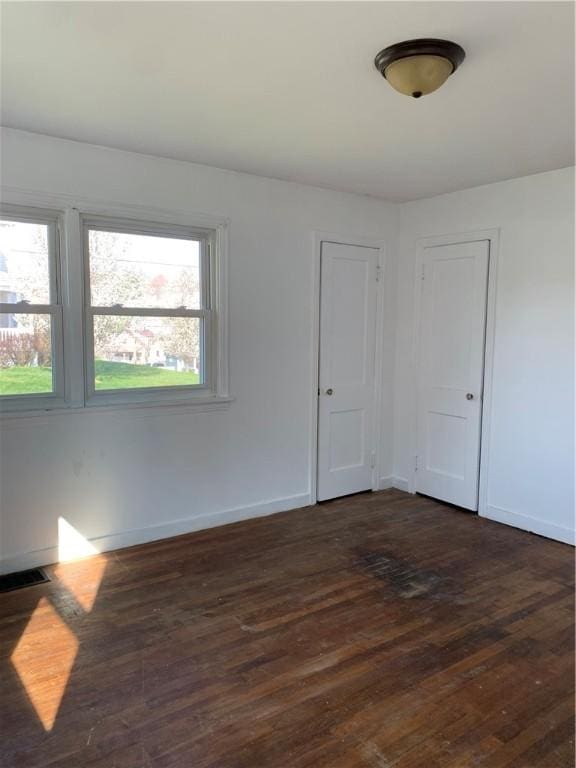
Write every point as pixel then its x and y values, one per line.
pixel 375 631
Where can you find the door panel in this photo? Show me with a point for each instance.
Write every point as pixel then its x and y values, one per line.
pixel 452 335
pixel 346 373
pixel 347 439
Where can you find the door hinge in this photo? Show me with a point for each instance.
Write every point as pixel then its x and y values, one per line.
pixel 423 275
pixel 378 272
pixel 415 463
pixel 372 460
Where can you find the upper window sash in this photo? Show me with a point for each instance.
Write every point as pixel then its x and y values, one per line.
pixel 205 238
pixel 52 220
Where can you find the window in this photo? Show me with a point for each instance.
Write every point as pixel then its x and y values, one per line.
pixel 149 311
pixel 139 318
pixel 30 309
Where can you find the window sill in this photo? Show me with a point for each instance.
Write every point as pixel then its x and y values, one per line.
pixel 136 410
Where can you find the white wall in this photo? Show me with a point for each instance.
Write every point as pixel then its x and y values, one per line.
pixel 530 478
pixel 131 476
pixel 114 475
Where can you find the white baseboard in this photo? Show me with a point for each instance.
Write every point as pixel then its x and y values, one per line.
pixel 531 524
pixel 401 483
pixel 39 557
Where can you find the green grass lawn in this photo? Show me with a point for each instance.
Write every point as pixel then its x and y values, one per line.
pixel 126 376
pixel 24 380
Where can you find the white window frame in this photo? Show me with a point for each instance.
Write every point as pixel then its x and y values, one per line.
pixel 71 213
pixel 209 341
pixel 54 308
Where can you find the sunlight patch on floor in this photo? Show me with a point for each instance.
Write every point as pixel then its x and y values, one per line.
pixel 82 579
pixel 47 649
pixel 44 666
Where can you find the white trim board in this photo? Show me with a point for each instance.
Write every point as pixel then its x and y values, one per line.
pixel 401 484
pixel 530 524
pixel 391 481
pixel 130 538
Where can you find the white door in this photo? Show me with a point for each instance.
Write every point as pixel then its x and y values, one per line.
pixel 346 375
pixel 452 330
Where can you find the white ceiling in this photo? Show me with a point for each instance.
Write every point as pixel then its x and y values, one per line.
pixel 289 90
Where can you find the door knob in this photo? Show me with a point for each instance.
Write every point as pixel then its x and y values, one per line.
pixel 329 391
pixel 469 396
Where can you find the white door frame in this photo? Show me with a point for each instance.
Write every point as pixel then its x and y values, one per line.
pixel 493 236
pixel 366 242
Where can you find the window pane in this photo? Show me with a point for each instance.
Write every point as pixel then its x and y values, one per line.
pixel 25 354
pixel 143 270
pixel 24 266
pixel 136 352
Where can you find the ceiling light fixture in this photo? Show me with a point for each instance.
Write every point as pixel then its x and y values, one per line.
pixel 418 67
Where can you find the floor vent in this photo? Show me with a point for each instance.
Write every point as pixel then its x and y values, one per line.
pixel 11 581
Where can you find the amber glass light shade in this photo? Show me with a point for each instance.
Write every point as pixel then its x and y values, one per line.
pixel 418 75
